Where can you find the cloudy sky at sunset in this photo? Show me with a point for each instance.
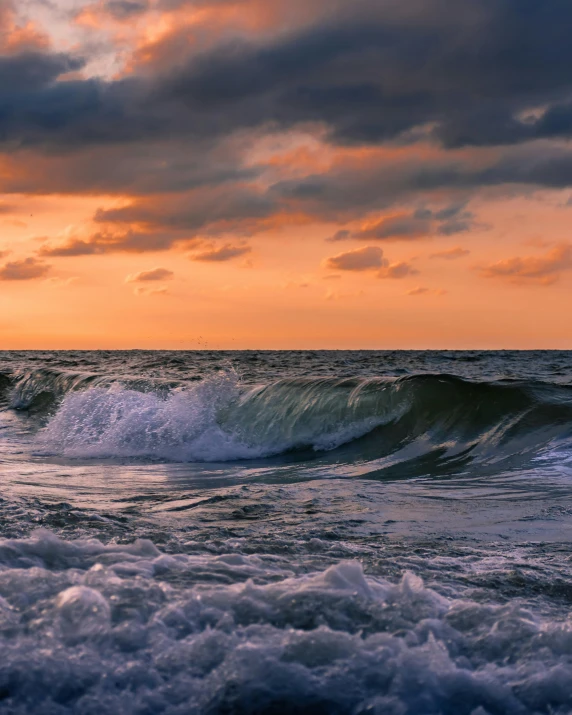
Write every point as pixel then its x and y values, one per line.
pixel 285 174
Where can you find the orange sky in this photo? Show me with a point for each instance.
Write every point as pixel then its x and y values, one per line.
pixel 261 235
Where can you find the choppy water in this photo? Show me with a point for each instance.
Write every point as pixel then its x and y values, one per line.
pixel 286 532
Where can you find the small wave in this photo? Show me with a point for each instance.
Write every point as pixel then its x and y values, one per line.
pixel 40 390
pixel 218 420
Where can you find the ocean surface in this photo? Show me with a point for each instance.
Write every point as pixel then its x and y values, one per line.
pixel 277 533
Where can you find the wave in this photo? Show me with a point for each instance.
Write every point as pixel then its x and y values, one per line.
pixel 38 391
pixel 436 422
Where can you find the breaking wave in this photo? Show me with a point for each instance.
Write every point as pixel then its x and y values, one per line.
pixel 441 420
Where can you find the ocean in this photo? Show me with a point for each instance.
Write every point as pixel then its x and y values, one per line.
pixel 315 533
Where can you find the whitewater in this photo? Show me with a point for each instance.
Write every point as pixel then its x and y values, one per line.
pixel 264 532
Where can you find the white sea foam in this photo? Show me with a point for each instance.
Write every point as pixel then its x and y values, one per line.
pixel 88 628
pixel 119 422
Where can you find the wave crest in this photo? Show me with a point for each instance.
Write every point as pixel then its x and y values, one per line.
pixel 218 419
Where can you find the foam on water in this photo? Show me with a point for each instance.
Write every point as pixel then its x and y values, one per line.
pixel 119 422
pixel 89 628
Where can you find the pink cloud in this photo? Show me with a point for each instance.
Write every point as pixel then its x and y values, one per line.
pixel 422 290
pixel 543 270
pixel 157 274
pixel 397 270
pixel 360 259
pixel 24 270
pixel 451 254
pixel 217 255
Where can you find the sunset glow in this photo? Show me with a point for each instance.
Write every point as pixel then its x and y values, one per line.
pixel 247 174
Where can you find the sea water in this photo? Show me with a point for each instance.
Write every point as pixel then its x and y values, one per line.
pixel 286 532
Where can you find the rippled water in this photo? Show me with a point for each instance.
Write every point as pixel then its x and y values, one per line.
pixel 286 532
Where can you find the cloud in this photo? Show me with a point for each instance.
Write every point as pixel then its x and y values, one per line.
pixel 28 73
pixel 344 295
pixel 413 226
pixel 103 242
pixel 360 259
pixel 62 282
pixel 74 247
pixel 542 270
pixel 421 290
pixel 396 227
pixel 451 254
pixel 370 258
pixel 349 190
pixel 397 270
pixel 125 9
pixel 157 274
pixel 212 210
pixel 341 235
pixel 354 71
pixel 418 291
pixel 224 253
pixel 24 270
pixel 367 72
pixel 162 290
pixel 295 285
pixel 177 131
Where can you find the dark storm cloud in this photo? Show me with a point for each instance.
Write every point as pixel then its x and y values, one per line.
pixel 126 9
pixel 23 74
pixel 471 68
pixel 487 126
pixel 477 73
pixel 38 110
pixel 370 79
pixel 346 191
pixel 70 115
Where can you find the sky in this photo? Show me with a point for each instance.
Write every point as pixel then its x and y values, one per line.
pixel 281 174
